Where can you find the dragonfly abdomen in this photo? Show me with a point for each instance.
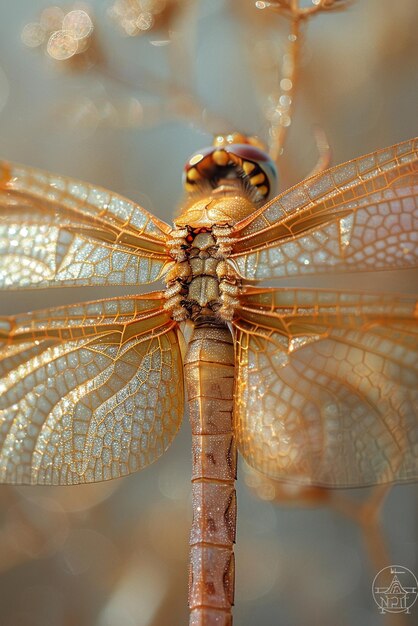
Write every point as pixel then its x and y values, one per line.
pixel 209 375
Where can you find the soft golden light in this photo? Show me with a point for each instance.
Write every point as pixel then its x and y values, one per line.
pixel 79 23
pixel 137 16
pixel 33 34
pixel 65 34
pixel 62 45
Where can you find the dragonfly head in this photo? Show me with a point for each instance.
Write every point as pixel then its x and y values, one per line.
pixel 233 163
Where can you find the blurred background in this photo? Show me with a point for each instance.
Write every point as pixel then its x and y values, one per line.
pixel 121 98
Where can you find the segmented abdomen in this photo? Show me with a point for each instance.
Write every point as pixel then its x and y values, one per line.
pixel 209 370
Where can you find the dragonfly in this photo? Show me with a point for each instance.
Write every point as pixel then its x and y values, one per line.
pixel 317 387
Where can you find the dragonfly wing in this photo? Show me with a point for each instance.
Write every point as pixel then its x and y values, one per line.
pixel 60 231
pixel 359 216
pixel 327 386
pixel 88 392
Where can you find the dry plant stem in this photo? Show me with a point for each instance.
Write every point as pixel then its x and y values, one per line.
pixel 172 94
pixel 209 375
pixel 367 515
pixel 289 76
pixel 278 130
pixel 324 152
pixel 291 8
pixel 324 5
pixel 178 96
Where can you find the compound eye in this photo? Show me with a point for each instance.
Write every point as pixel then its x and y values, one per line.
pixel 199 167
pixel 240 160
pixel 251 155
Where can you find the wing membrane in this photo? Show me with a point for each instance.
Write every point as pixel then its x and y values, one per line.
pixel 60 231
pixel 88 392
pixel 327 386
pixel 359 216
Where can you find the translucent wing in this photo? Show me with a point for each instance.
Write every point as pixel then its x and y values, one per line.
pixel 88 392
pixel 359 216
pixel 60 231
pixel 327 386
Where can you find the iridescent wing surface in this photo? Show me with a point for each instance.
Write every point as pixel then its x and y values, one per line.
pixel 327 386
pixel 88 392
pixel 60 231
pixel 359 216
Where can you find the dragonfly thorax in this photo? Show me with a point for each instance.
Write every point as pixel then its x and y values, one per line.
pixel 225 205
pixel 201 282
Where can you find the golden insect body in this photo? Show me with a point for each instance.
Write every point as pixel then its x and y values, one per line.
pixel 313 386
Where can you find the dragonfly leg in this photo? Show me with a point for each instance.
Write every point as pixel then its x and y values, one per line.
pixel 176 280
pixel 177 245
pixel 224 241
pixel 229 290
